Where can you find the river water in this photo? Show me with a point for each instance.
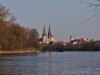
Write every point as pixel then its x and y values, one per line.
pixel 50 63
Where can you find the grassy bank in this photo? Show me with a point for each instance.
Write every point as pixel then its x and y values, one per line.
pixel 20 51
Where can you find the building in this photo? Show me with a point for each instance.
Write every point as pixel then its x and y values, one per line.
pixel 61 42
pixel 77 41
pixel 46 39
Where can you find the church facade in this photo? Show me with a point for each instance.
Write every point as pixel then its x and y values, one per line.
pixel 46 38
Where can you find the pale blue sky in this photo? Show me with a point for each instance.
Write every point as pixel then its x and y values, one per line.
pixel 64 16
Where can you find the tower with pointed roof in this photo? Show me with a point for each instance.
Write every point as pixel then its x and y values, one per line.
pixel 50 36
pixel 44 36
pixel 44 32
pixel 49 32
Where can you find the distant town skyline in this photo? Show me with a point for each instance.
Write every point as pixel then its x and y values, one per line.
pixel 65 17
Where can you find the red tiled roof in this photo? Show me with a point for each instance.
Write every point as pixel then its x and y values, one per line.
pixel 80 41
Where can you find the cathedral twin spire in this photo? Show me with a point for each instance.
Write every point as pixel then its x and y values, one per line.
pixel 49 32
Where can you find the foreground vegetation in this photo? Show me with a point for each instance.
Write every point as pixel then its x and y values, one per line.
pixel 88 46
pixel 13 36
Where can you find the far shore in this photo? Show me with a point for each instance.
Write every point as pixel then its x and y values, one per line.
pixel 20 51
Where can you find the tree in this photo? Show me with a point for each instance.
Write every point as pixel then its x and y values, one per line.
pixel 6 18
pixel 90 46
pixel 33 38
pixel 15 39
pixel 12 35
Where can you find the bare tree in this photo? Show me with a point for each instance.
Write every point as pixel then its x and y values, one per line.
pixel 33 38
pixel 6 18
pixel 12 35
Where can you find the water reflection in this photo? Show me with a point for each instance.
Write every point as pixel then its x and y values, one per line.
pixel 50 63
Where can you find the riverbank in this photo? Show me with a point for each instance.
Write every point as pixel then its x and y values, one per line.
pixel 20 51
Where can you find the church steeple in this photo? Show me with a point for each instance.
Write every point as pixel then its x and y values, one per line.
pixel 44 32
pixel 49 32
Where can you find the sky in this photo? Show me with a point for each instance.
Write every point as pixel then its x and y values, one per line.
pixel 66 17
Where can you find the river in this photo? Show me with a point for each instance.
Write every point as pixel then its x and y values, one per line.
pixel 50 63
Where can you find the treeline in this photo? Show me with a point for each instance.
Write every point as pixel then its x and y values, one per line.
pixel 13 36
pixel 88 46
pixel 58 47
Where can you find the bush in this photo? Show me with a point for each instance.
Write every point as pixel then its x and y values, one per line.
pixel 90 46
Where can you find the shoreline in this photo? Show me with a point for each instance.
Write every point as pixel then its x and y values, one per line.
pixel 36 51
pixel 22 51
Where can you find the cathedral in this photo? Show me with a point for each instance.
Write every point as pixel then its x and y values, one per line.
pixel 46 39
